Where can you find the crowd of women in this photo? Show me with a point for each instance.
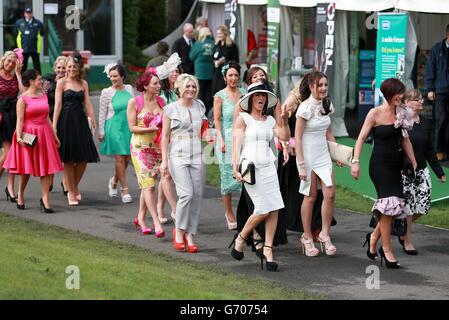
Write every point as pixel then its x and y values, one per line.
pixel 161 129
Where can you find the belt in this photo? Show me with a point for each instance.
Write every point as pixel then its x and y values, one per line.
pixel 183 137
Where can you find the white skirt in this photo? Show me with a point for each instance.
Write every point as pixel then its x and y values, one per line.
pixel 266 194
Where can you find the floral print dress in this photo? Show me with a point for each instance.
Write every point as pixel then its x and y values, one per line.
pixel 145 151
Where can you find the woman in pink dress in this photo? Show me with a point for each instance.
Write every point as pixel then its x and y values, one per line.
pixel 42 159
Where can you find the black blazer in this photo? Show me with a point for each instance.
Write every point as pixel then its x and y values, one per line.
pixel 180 46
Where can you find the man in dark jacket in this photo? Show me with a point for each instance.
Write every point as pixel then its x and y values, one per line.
pixel 29 33
pixel 183 46
pixel 436 79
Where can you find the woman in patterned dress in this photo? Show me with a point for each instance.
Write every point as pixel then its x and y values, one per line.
pixel 145 120
pixel 417 191
pixel 224 105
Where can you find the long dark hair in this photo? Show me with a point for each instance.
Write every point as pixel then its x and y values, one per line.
pixel 314 79
pixel 165 87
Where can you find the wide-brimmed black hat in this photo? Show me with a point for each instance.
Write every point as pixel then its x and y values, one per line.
pixel 258 87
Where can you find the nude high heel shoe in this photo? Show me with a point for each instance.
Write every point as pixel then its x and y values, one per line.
pixel 326 245
pixel 308 247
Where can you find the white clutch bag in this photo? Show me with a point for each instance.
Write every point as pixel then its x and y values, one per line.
pixel 29 139
pixel 341 153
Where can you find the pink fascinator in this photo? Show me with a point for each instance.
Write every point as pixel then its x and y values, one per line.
pixel 19 54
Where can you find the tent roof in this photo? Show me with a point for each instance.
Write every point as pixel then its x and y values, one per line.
pixel 358 5
pixel 431 6
pixel 298 3
pixel 247 2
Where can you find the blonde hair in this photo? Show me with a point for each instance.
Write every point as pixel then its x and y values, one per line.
pixel 228 40
pixel 8 55
pixel 412 94
pixel 79 65
pixel 181 84
pixel 204 33
pixel 60 59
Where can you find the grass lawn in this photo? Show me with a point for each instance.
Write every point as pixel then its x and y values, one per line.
pixel 34 258
pixel 349 200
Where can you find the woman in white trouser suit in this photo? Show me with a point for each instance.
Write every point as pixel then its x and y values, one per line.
pixel 182 159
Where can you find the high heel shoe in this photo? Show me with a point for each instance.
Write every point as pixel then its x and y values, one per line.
pixel 179 246
pixel 234 253
pixel 145 230
pixel 388 264
pixel 326 245
pixel 231 225
pixel 9 197
pixel 78 197
pixel 71 203
pixel 258 251
pixel 271 265
pixel 308 247
pixel 20 206
pixel 159 234
pixel 190 248
pixel 45 209
pixel 401 241
pixel 65 192
pixel 372 256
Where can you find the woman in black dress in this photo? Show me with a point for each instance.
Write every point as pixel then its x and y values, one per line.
pixel 225 50
pixel 10 86
pixel 72 103
pixel 388 124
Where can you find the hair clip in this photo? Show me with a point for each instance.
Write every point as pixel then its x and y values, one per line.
pixel 224 69
pixel 108 67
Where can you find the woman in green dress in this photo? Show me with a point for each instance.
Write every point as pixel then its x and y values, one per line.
pixel 224 105
pixel 114 133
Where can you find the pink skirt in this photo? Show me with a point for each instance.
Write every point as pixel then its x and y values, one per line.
pixel 40 160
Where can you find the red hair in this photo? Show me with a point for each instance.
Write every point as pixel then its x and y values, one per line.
pixel 144 80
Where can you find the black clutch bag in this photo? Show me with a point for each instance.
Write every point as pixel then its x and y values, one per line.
pixel 398 226
pixel 248 171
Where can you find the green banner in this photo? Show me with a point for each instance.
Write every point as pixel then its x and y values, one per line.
pixel 274 19
pixel 390 49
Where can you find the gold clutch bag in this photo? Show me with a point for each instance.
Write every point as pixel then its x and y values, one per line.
pixel 341 153
pixel 29 139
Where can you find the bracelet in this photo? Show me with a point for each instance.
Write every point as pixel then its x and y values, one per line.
pixel 301 164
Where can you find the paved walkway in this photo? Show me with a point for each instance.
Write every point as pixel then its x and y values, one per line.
pixel 343 276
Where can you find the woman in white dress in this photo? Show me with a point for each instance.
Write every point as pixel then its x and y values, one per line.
pixel 255 130
pixel 313 130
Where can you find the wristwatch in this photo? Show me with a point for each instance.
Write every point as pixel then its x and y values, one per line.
pixel 354 161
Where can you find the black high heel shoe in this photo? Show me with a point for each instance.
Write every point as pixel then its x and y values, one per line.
pixel 9 197
pixel 234 253
pixel 388 264
pixel 372 256
pixel 271 265
pixel 258 251
pixel 63 190
pixel 43 208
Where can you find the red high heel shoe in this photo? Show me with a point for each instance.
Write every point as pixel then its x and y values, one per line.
pixel 159 234
pixel 190 248
pixel 145 230
pixel 179 246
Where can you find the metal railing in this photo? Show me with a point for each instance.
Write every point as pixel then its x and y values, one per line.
pixel 54 43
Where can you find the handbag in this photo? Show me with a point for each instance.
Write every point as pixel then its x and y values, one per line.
pixel 406 165
pixel 398 226
pixel 340 153
pixel 29 139
pixel 248 171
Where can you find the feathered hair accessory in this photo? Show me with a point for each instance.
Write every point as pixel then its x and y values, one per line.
pixel 108 67
pixel 163 71
pixel 19 54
